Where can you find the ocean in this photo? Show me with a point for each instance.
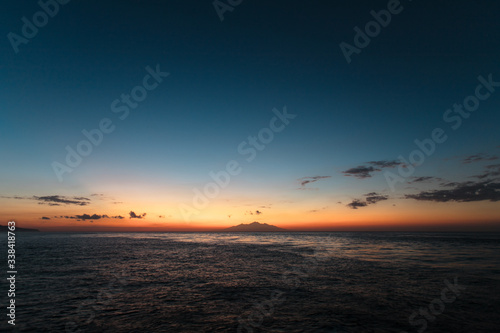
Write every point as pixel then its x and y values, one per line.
pixel 255 282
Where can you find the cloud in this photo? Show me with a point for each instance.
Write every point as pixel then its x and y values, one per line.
pixel 479 157
pixel 14 197
pixel 449 184
pixel 373 198
pixel 423 179
pixel 45 218
pixel 306 180
pixel 104 197
pixel 257 212
pixel 360 171
pixel 462 192
pixel 492 171
pixel 89 217
pixel 366 171
pixel 57 200
pixel 135 216
pixel 54 200
pixel 385 164
pixel 356 203
pixel 370 199
pixel 318 210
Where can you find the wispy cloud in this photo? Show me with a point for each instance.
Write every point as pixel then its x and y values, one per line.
pixel 58 200
pixel 426 179
pixel 257 212
pixel 53 200
pixel 492 171
pixel 360 171
pixel 479 158
pixel 307 180
pixel 367 170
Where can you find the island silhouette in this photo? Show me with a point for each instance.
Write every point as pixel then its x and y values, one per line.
pixel 254 227
pixel 5 228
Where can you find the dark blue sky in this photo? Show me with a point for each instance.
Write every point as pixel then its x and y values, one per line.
pixel 225 79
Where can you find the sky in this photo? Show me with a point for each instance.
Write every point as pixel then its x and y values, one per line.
pixel 200 115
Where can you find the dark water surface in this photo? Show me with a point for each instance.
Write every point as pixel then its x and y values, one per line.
pixel 262 282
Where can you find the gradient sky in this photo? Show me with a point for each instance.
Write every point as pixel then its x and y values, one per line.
pixel 324 170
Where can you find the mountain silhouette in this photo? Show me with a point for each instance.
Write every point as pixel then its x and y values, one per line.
pixel 253 227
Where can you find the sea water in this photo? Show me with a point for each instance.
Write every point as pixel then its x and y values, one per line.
pixel 255 282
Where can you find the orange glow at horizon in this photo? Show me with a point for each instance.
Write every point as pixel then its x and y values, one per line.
pixel 384 216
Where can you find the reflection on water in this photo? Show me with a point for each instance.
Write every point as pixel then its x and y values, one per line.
pixel 210 282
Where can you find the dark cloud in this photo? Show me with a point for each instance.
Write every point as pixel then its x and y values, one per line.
pixel 356 203
pixel 57 200
pixel 306 180
pixel 45 218
pixel 373 198
pixel 423 179
pixel 462 192
pixel 385 164
pixel 492 171
pixel 88 217
pixel 370 199
pixel 479 157
pixel 366 171
pixel 54 200
pixel 449 184
pixel 360 171
pixel 257 212
pixel 92 217
pixel 135 216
